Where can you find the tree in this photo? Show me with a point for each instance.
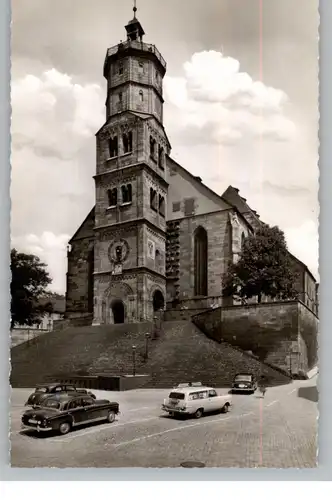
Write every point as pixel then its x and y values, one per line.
pixel 264 268
pixel 28 289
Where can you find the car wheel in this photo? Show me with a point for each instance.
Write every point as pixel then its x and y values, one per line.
pixel 111 416
pixel 226 408
pixel 64 428
pixel 198 413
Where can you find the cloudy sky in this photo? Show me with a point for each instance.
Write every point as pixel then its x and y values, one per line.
pixel 241 97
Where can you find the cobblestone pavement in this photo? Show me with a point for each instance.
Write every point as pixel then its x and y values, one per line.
pixel 276 432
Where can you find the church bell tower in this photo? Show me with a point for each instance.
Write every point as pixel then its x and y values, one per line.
pixel 131 185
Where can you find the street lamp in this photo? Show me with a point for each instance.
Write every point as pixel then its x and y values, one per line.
pixel 147 336
pixel 134 360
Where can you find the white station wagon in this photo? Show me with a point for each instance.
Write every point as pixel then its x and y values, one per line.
pixel 195 399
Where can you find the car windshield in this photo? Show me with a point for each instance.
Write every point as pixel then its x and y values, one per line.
pixel 50 403
pixel 41 389
pixel 244 378
pixel 176 395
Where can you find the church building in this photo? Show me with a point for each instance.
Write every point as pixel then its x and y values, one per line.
pixel 157 237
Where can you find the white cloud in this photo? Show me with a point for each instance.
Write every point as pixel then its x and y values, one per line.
pixel 220 104
pixel 54 120
pixel 52 250
pixel 53 115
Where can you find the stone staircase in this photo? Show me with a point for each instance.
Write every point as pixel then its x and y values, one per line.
pixel 181 353
pixel 79 351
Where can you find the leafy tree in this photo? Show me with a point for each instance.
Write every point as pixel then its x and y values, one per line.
pixel 264 268
pixel 28 289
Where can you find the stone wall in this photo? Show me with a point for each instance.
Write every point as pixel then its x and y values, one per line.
pixel 308 332
pixel 77 296
pixel 145 77
pixel 282 334
pixel 190 307
pixel 222 247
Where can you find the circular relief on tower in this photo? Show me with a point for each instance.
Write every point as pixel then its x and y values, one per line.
pixel 118 251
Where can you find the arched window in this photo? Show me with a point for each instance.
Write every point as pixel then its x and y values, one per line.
pixel 162 205
pixel 243 238
pixel 127 141
pixel 126 192
pixel 153 199
pixel 201 261
pixel 112 197
pixel 152 147
pixel 141 96
pixel 113 147
pixel 161 158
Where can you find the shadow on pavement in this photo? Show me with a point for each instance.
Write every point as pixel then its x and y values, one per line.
pixel 310 393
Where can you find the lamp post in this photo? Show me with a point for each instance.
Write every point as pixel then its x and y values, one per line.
pixel 147 336
pixel 155 334
pixel 134 360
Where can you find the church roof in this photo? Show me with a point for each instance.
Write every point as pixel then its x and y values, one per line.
pixel 90 214
pixel 208 191
pixel 232 196
pixel 304 266
pixel 198 181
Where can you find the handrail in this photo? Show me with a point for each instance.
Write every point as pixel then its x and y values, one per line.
pixel 149 47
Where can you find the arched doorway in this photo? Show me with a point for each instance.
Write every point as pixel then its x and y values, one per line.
pixel 118 311
pixel 158 301
pixel 201 261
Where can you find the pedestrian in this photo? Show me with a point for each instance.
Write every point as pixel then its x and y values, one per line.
pixel 262 385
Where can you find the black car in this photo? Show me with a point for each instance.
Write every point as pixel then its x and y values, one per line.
pixel 244 382
pixel 43 390
pixel 62 412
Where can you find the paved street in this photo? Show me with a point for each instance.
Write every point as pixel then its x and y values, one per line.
pixel 277 432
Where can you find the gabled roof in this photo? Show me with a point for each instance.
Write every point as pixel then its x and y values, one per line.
pixel 197 181
pixel 199 184
pixel 232 196
pixel 90 214
pixel 303 265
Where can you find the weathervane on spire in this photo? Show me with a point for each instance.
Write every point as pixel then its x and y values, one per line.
pixel 135 9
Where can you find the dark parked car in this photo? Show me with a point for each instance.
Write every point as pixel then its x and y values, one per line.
pixel 244 382
pixel 62 412
pixel 43 390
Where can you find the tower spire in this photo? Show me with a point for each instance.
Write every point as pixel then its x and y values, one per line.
pixel 134 28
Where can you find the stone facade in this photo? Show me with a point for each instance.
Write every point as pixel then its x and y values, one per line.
pixel 223 246
pixel 281 334
pixel 157 238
